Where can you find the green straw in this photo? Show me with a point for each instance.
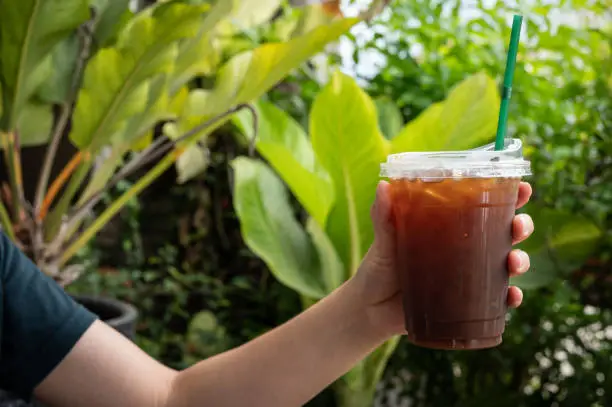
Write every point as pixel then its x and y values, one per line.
pixel 508 77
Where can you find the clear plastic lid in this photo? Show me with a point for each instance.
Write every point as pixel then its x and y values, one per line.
pixel 481 162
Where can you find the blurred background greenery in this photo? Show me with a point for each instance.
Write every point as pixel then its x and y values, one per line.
pixel 177 252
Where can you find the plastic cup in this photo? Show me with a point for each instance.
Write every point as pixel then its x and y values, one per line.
pixel 453 214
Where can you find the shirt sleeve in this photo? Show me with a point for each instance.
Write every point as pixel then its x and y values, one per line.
pixel 40 322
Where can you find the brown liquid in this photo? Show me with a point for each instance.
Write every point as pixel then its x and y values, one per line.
pixel 453 241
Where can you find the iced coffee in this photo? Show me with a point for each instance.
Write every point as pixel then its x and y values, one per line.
pixel 453 219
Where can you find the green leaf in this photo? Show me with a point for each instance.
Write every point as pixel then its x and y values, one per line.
pixel 466 119
pixel 159 106
pixel 156 109
pixel 270 229
pixel 285 145
pixel 29 30
pixel 35 124
pixel 390 117
pixel 543 271
pixel 110 16
pixel 312 16
pixel 284 27
pixel 200 55
pixel 570 235
pixel 347 141
pixel 248 75
pixel 332 269
pixel 56 87
pixel 364 377
pixel 270 63
pixel 245 16
pixel 561 242
pixel 117 80
pixel 195 109
pixel 376 362
pixel 193 161
pixel 136 133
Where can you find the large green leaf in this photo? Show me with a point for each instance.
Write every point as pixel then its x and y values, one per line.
pixel 117 80
pixel 169 99
pixel 29 30
pixel 467 118
pixel 561 242
pixel 56 87
pixel 138 128
pixel 109 17
pixel 155 109
pixel 347 141
pixel 248 75
pixel 270 229
pixel 390 117
pixel 285 145
pixel 270 63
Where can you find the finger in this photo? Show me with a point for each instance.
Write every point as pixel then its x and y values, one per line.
pixel 522 227
pixel 518 263
pixel 381 214
pixel 524 193
pixel 515 297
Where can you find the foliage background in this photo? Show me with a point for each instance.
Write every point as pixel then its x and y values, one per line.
pixel 200 291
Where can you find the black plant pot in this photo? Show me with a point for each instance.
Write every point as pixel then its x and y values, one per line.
pixel 119 315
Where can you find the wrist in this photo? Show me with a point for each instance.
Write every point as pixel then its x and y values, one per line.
pixel 365 316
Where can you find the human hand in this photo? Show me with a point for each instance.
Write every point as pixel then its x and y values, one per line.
pixel 377 280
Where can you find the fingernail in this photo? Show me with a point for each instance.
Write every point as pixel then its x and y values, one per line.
pixel 523 260
pixel 527 225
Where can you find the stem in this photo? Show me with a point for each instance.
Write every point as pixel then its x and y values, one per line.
pixel 103 173
pixel 54 220
pixel 13 163
pixel 154 151
pixel 253 141
pixel 108 214
pixel 188 138
pixel 62 122
pixel 59 183
pixel 5 220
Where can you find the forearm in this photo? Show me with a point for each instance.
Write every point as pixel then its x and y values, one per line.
pixel 288 365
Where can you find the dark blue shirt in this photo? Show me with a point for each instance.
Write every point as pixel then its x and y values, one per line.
pixel 39 322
